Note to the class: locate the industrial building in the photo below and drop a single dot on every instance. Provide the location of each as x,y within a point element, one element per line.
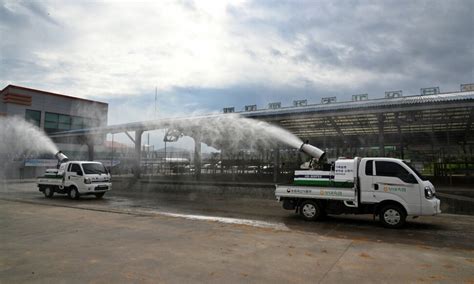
<point>52,113</point>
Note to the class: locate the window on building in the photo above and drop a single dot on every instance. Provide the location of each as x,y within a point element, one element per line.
<point>33,116</point>
<point>64,122</point>
<point>51,122</point>
<point>54,122</point>
<point>87,122</point>
<point>91,122</point>
<point>96,122</point>
<point>77,122</point>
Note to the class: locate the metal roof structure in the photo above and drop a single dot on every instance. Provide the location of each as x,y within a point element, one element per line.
<point>432,119</point>
<point>438,117</point>
<point>381,104</point>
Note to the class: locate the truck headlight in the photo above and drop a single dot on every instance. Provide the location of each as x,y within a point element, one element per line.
<point>428,192</point>
<point>87,181</point>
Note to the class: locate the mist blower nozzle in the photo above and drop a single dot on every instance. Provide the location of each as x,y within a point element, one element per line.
<point>61,157</point>
<point>314,152</point>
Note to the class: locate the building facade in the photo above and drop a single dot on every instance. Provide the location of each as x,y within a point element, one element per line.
<point>51,112</point>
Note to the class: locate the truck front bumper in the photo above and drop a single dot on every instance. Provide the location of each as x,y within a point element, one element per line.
<point>97,187</point>
<point>432,206</point>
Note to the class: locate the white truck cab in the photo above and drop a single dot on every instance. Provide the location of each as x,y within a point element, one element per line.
<point>386,187</point>
<point>389,179</point>
<point>76,178</point>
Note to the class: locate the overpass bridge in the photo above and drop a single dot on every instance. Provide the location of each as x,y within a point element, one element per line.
<point>439,126</point>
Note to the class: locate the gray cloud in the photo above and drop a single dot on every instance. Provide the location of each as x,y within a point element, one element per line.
<point>258,52</point>
<point>36,9</point>
<point>419,40</point>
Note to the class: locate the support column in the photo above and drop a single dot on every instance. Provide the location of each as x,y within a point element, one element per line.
<point>468,158</point>
<point>90,150</point>
<point>197,156</point>
<point>381,119</point>
<point>222,162</point>
<point>88,141</point>
<point>400,135</point>
<point>138,153</point>
<point>276,164</point>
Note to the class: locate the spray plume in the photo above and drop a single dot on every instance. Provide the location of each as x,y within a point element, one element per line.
<point>231,132</point>
<point>19,137</point>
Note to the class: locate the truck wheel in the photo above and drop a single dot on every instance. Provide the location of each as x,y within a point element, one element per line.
<point>392,216</point>
<point>73,193</point>
<point>310,210</point>
<point>48,192</point>
<point>99,195</point>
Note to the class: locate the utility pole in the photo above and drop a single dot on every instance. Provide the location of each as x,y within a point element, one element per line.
<point>156,98</point>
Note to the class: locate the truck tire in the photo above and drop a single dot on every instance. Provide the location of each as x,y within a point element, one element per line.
<point>99,195</point>
<point>73,193</point>
<point>48,192</point>
<point>310,210</point>
<point>392,216</point>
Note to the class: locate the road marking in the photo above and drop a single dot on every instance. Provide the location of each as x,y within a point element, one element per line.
<point>227,220</point>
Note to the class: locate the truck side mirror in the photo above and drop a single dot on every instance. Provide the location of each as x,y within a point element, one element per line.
<point>79,173</point>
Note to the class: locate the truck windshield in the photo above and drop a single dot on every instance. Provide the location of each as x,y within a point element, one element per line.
<point>414,170</point>
<point>94,168</point>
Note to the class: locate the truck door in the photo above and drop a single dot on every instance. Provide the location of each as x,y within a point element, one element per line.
<point>393,181</point>
<point>366,176</point>
<point>74,175</point>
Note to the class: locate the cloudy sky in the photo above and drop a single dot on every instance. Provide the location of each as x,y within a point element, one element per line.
<point>205,55</point>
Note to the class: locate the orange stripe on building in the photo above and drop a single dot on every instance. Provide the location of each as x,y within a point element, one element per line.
<point>18,102</point>
<point>18,97</point>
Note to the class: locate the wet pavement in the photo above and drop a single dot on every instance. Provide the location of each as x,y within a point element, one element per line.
<point>445,230</point>
<point>437,248</point>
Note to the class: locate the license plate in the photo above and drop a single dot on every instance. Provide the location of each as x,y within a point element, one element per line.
<point>101,187</point>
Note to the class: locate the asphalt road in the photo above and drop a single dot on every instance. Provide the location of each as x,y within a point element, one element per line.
<point>173,238</point>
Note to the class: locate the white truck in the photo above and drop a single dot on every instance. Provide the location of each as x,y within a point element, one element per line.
<point>385,187</point>
<point>75,178</point>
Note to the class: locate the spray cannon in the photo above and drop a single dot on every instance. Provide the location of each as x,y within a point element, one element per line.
<point>314,152</point>
<point>61,158</point>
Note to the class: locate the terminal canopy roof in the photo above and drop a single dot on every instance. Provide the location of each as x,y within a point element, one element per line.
<point>438,119</point>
